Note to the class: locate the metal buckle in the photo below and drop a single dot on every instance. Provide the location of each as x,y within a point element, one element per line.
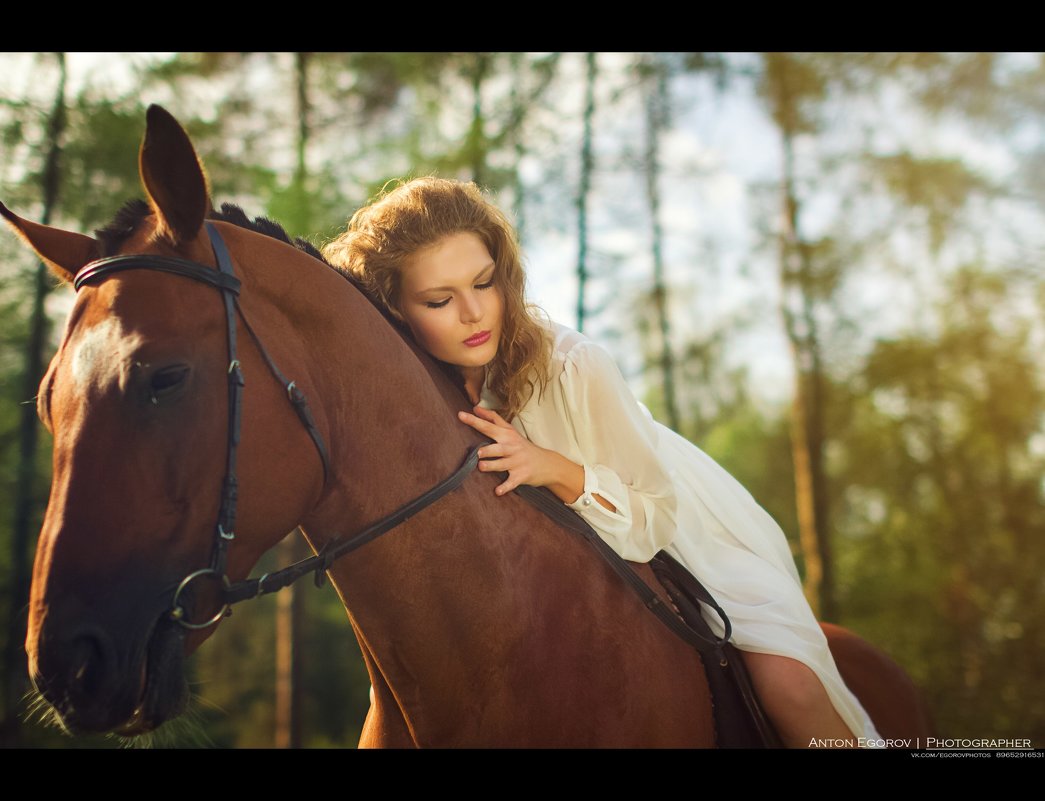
<point>177,613</point>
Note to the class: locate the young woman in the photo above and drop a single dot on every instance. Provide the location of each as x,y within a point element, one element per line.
<point>444,261</point>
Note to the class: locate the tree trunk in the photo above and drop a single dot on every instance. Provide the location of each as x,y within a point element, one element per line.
<point>476,136</point>
<point>290,622</point>
<point>290,604</point>
<point>587,164</point>
<point>518,64</point>
<point>25,495</point>
<point>807,409</point>
<point>656,113</point>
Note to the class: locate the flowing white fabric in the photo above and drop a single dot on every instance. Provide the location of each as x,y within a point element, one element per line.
<point>670,495</point>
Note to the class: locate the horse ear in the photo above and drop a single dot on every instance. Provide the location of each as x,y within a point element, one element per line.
<point>173,177</point>
<point>64,252</point>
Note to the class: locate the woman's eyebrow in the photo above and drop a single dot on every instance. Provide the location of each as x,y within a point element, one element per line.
<point>479,275</point>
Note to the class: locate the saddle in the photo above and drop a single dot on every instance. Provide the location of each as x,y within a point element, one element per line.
<point>740,721</point>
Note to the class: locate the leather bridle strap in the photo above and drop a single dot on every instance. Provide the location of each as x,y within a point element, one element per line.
<point>226,282</point>
<point>102,268</point>
<point>296,396</point>
<point>338,547</point>
<point>230,486</point>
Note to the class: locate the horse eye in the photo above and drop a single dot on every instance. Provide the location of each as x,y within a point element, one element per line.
<point>165,381</point>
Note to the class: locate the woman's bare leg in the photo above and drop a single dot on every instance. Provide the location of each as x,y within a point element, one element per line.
<point>796,701</point>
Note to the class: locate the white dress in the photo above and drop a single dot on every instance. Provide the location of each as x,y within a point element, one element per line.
<point>669,495</point>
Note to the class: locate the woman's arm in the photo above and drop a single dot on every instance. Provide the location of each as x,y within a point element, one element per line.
<point>623,489</point>
<point>623,462</point>
<point>525,462</point>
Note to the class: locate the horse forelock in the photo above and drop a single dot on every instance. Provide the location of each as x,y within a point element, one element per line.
<point>125,223</point>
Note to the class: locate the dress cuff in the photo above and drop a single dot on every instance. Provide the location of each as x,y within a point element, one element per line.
<point>587,502</point>
<point>584,500</point>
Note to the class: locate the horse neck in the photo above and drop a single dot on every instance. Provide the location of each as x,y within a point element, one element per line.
<point>444,581</point>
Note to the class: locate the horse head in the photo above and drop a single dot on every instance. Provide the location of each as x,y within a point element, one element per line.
<point>136,399</point>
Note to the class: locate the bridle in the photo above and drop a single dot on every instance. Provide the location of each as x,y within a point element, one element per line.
<point>224,280</point>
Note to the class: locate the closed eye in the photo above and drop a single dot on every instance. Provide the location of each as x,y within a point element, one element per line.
<point>438,304</point>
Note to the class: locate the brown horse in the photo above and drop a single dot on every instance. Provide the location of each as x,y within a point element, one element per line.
<point>481,621</point>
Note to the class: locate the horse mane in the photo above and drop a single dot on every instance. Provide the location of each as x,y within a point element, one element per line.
<point>133,212</point>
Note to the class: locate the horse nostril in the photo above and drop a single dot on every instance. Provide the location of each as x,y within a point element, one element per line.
<point>90,665</point>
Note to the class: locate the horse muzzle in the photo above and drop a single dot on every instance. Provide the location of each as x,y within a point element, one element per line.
<point>95,684</point>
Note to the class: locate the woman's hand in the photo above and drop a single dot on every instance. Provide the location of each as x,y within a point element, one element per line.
<point>524,462</point>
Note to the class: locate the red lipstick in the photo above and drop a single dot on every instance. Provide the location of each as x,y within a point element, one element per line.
<point>476,340</point>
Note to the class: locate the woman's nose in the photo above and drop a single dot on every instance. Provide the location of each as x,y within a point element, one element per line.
<point>471,309</point>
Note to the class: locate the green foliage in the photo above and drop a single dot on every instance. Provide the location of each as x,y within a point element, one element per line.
<point>99,165</point>
<point>190,65</point>
<point>792,85</point>
<point>944,510</point>
<point>823,269</point>
<point>937,500</point>
<point>756,450</point>
<point>963,82</point>
<point>308,210</point>
<point>935,484</point>
<point>939,187</point>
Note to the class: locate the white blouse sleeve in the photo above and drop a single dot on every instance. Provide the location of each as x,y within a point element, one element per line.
<point>619,442</point>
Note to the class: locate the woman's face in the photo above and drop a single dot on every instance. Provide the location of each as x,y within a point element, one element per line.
<point>450,301</point>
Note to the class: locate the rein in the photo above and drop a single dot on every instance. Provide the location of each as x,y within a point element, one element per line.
<point>224,280</point>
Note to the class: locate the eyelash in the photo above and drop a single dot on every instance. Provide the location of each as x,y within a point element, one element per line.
<point>438,304</point>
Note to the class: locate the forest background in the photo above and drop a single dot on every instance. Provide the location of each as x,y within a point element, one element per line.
<point>825,269</point>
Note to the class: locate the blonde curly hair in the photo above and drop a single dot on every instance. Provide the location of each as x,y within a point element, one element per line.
<point>382,236</point>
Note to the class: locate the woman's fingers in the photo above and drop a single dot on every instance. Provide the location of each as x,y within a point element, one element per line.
<point>495,465</point>
<point>499,432</point>
<point>488,465</point>
<point>503,455</point>
<point>482,426</point>
<point>492,451</point>
<point>492,416</point>
<point>507,486</point>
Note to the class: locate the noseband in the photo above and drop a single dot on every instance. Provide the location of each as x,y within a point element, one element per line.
<point>224,280</point>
